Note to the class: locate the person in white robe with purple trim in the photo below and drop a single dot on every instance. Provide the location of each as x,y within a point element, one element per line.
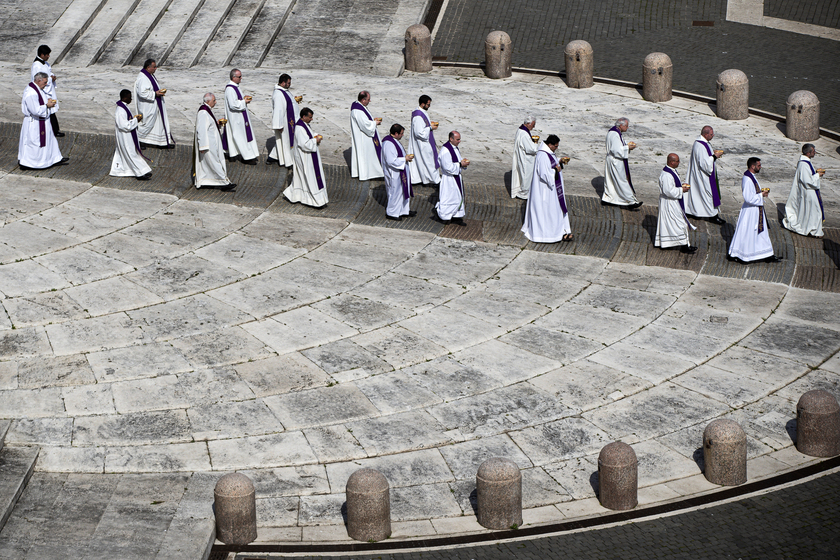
<point>37,148</point>
<point>547,214</point>
<point>804,212</point>
<point>284,115</point>
<point>366,148</point>
<point>703,198</point>
<point>421,143</point>
<point>41,64</point>
<point>451,205</point>
<point>618,187</point>
<point>238,137</point>
<point>154,129</point>
<point>308,182</point>
<point>524,153</point>
<point>128,160</point>
<point>751,241</point>
<point>672,225</point>
<point>397,179</point>
<point>210,166</point>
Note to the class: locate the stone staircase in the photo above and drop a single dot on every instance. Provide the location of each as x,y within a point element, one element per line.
<point>16,467</point>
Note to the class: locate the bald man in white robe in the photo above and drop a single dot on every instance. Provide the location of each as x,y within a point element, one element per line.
<point>452,205</point>
<point>524,154</point>
<point>210,166</point>
<point>37,148</point>
<point>672,225</point>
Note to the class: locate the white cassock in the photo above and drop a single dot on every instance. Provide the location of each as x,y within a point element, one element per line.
<point>748,243</point>
<point>703,197</point>
<point>36,116</point>
<point>421,143</point>
<point>49,89</point>
<point>154,128</point>
<point>127,162</point>
<point>210,167</point>
<point>364,159</point>
<point>236,113</point>
<point>545,219</point>
<point>284,115</point>
<point>452,203</point>
<point>524,152</point>
<point>804,210</point>
<point>618,188</point>
<point>393,164</point>
<point>305,186</point>
<point>672,226</point>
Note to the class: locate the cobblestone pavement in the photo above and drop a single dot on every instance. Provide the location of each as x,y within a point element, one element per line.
<point>623,32</point>
<point>801,521</point>
<point>816,12</point>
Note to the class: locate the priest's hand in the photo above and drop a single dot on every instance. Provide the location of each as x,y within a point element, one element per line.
<point>434,126</point>
<point>160,93</point>
<point>465,162</point>
<point>820,172</point>
<point>631,145</point>
<point>318,139</point>
<point>54,78</point>
<point>409,157</point>
<point>204,151</point>
<point>138,117</point>
<point>50,103</point>
<point>378,120</point>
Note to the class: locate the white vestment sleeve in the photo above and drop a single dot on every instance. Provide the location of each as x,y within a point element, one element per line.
<point>202,132</point>
<point>389,155</point>
<point>124,124</point>
<point>419,129</point>
<point>703,159</point>
<point>232,102</point>
<point>668,188</point>
<point>367,126</point>
<point>615,148</point>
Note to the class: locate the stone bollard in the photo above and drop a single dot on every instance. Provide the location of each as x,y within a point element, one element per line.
<point>418,48</point>
<point>618,476</point>
<point>498,54</point>
<point>725,453</point>
<point>368,506</point>
<point>499,494</point>
<point>236,509</point>
<point>733,95</point>
<point>580,64</point>
<point>803,116</point>
<point>818,424</point>
<point>657,75</point>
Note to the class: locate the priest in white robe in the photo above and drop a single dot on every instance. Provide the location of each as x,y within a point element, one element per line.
<point>284,115</point>
<point>37,148</point>
<point>703,198</point>
<point>804,212</point>
<point>618,187</point>
<point>238,135</point>
<point>154,129</point>
<point>366,149</point>
<point>397,180</point>
<point>308,186</point>
<point>41,64</point>
<point>451,205</point>
<point>210,166</point>
<point>128,160</point>
<point>672,225</point>
<point>524,154</point>
<point>546,213</point>
<point>751,241</point>
<point>421,143</point>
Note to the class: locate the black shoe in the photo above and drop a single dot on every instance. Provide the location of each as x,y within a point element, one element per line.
<point>250,161</point>
<point>636,205</point>
<point>145,177</point>
<point>412,213</point>
<point>228,188</point>
<point>59,135</point>
<point>396,219</point>
<point>773,259</point>
<point>717,220</point>
<point>269,161</point>
<point>688,249</point>
<point>63,161</point>
<point>459,221</point>
<point>730,258</point>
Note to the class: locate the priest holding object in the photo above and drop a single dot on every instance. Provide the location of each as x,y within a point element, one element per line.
<point>703,199</point>
<point>452,205</point>
<point>366,150</point>
<point>308,185</point>
<point>421,143</point>
<point>283,118</point>
<point>751,241</point>
<point>672,225</point>
<point>210,166</point>
<point>618,188</point>
<point>238,136</point>
<point>524,153</point>
<point>397,180</point>
<point>37,148</point>
<point>547,214</point>
<point>804,212</point>
<point>154,129</point>
<point>129,160</point>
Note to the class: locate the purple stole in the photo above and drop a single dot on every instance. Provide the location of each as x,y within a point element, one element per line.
<point>626,162</point>
<point>814,172</point>
<point>133,131</point>
<point>376,144</point>
<point>316,163</point>
<point>525,129</point>
<point>679,187</point>
<point>457,177</point>
<point>205,107</point>
<point>159,101</point>
<point>290,117</point>
<point>419,113</point>
<point>248,136</point>
<point>713,178</point>
<point>42,123</point>
<point>760,208</point>
<point>408,192</point>
<point>558,181</point>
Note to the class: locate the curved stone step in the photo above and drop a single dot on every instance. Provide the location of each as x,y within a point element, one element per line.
<point>87,49</point>
<point>133,33</point>
<point>262,33</point>
<point>16,466</point>
<point>197,36</point>
<point>168,31</point>
<point>70,26</point>
<point>234,28</point>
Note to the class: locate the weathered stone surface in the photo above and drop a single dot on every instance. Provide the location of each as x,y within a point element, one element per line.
<point>733,95</point>
<point>135,362</point>
<point>559,346</point>
<point>368,506</point>
<point>725,453</point>
<point>400,432</point>
<point>347,358</point>
<point>818,424</point>
<point>803,116</point>
<point>281,374</point>
<point>560,440</point>
<point>303,409</point>
<point>418,49</point>
<point>499,494</point>
<point>464,458</point>
<point>586,321</point>
<point>658,74</point>
<point>618,476</point>
<point>236,509</point>
<point>273,450</point>
<point>396,392</point>
<point>580,64</point>
<point>585,385</point>
<point>498,54</point>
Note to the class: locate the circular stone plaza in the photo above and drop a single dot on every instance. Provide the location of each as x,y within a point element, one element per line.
<point>155,337</point>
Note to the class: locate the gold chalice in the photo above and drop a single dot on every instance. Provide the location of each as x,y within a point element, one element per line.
<point>298,98</point>
<point>535,138</point>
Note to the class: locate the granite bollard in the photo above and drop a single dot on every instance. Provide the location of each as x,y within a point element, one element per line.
<point>498,485</point>
<point>368,506</point>
<point>803,116</point>
<point>618,476</point>
<point>236,509</point>
<point>657,76</point>
<point>580,64</point>
<point>725,453</point>
<point>498,55</point>
<point>733,95</point>
<point>418,48</point>
<point>818,424</point>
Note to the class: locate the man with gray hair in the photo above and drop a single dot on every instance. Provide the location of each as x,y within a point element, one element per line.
<point>238,137</point>
<point>703,198</point>
<point>618,188</point>
<point>524,153</point>
<point>38,148</point>
<point>210,168</point>
<point>804,212</point>
<point>154,129</point>
<point>365,147</point>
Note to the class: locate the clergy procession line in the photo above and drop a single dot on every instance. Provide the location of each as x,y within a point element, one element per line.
<point>537,174</point>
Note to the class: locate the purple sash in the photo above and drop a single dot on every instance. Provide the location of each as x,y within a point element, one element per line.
<point>376,144</point>
<point>316,163</point>
<point>290,117</point>
<point>42,123</point>
<point>159,101</point>
<point>760,208</point>
<point>713,178</point>
<point>204,107</point>
<point>408,192</point>
<point>814,172</point>
<point>558,181</point>
<point>419,113</point>
<point>679,188</point>
<point>626,162</point>
<point>525,129</point>
<point>457,177</point>
<point>248,136</point>
<point>133,131</point>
